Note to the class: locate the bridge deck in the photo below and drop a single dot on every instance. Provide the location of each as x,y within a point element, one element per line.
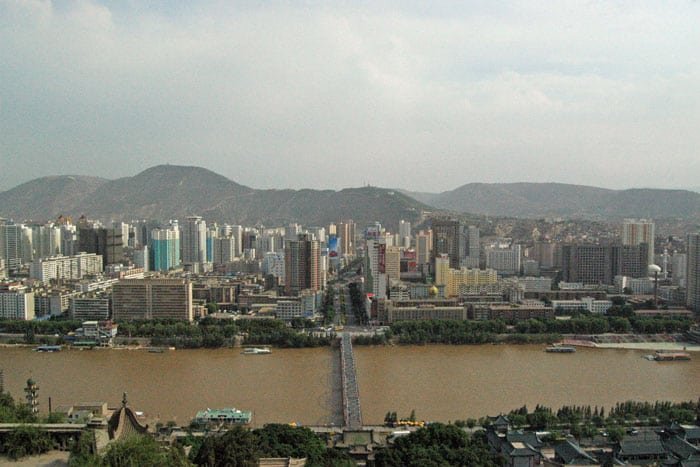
<point>352,413</point>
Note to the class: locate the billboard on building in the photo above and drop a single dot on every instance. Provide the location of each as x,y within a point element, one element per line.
<point>333,246</point>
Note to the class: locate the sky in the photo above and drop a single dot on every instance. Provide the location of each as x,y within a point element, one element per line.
<point>424,96</point>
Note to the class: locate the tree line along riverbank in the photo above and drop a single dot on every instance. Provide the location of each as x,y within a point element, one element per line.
<point>460,443</point>
<point>216,333</point>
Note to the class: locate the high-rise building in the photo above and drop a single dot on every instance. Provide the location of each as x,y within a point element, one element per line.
<point>637,231</point>
<point>224,249</point>
<point>693,271</point>
<point>448,239</point>
<point>599,264</point>
<point>46,240</point>
<point>105,242</point>
<point>679,269</point>
<point>392,263</point>
<point>424,243</point>
<point>504,260</point>
<point>11,245</point>
<point>345,231</point>
<point>375,267</point>
<point>301,265</point>
<point>194,243</point>
<point>404,234</point>
<point>152,299</point>
<point>164,251</point>
<point>473,247</point>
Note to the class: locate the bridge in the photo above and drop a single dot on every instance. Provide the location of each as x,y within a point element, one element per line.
<point>352,413</point>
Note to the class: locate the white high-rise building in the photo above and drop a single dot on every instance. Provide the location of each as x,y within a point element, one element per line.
<point>636,231</point>
<point>693,272</point>
<point>504,260</point>
<point>679,268</point>
<point>273,264</point>
<point>11,245</point>
<point>194,243</point>
<point>404,234</point>
<point>16,302</point>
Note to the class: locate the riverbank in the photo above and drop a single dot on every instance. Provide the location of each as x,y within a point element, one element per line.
<point>633,342</point>
<point>49,459</point>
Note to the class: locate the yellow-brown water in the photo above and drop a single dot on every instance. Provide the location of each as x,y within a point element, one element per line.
<point>441,383</point>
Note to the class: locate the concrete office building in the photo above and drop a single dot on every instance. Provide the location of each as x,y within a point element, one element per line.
<point>89,308</point>
<point>152,299</point>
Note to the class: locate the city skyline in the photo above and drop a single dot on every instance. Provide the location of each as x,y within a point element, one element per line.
<point>285,96</point>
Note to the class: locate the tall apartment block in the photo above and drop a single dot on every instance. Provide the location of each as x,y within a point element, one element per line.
<point>301,265</point>
<point>164,249</point>
<point>638,231</point>
<point>108,243</point>
<point>448,239</point>
<point>16,302</point>
<point>194,243</point>
<point>693,271</point>
<point>11,245</point>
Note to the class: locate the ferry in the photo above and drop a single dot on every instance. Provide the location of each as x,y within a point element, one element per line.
<point>560,349</point>
<point>669,355</point>
<point>256,351</point>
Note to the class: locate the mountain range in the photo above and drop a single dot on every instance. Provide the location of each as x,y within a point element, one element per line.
<point>173,192</point>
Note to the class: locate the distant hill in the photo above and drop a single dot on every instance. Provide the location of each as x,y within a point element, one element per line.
<point>562,200</point>
<point>46,198</point>
<point>173,192</point>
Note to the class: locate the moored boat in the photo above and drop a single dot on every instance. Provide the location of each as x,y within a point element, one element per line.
<point>669,355</point>
<point>48,348</point>
<point>257,351</point>
<point>560,349</point>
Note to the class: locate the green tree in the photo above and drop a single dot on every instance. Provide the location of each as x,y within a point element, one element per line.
<point>82,451</point>
<point>26,440</point>
<point>143,450</point>
<point>236,448</point>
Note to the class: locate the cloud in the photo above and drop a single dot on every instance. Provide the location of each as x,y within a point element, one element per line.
<point>329,95</point>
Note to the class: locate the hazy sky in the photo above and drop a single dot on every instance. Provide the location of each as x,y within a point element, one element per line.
<point>419,95</point>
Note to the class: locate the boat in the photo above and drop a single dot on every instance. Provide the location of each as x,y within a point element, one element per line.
<point>670,355</point>
<point>156,350</point>
<point>48,348</point>
<point>219,418</point>
<point>256,351</point>
<point>560,349</point>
